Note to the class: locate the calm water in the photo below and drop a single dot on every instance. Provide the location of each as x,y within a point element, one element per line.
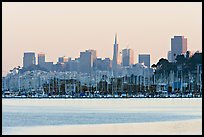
<point>45,112</point>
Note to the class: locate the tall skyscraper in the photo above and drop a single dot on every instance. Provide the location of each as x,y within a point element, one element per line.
<point>29,59</point>
<point>145,58</point>
<point>127,57</point>
<point>41,59</point>
<point>115,55</point>
<point>93,56</point>
<point>86,62</point>
<point>93,53</point>
<point>178,46</point>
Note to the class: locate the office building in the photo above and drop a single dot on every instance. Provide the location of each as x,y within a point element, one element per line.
<point>178,46</point>
<point>145,58</point>
<point>93,54</point>
<point>29,59</point>
<point>86,62</point>
<point>41,59</point>
<point>127,57</point>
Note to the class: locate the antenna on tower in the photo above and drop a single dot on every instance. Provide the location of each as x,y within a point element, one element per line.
<point>116,38</point>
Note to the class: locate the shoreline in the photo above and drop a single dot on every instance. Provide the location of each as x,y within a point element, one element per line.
<point>185,127</point>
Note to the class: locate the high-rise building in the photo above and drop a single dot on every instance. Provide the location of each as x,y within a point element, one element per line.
<point>86,62</point>
<point>41,59</point>
<point>178,46</point>
<point>115,55</point>
<point>127,57</point>
<point>29,59</point>
<point>93,53</point>
<point>145,58</point>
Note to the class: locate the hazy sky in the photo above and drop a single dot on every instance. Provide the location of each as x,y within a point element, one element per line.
<point>65,29</point>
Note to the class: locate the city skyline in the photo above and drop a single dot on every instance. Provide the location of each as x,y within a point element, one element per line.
<point>71,28</point>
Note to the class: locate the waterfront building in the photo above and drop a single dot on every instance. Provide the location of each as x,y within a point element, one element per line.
<point>127,57</point>
<point>29,59</point>
<point>178,46</point>
<point>145,58</point>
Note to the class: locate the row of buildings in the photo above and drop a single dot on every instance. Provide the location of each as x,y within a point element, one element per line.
<point>88,61</point>
<point>137,79</point>
<point>36,80</point>
<point>88,69</point>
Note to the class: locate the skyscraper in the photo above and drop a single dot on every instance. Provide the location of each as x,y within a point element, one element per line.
<point>86,62</point>
<point>93,53</point>
<point>127,57</point>
<point>115,55</point>
<point>41,59</point>
<point>29,59</point>
<point>178,46</point>
<point>145,58</point>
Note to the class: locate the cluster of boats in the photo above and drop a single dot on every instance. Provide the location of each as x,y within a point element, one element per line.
<point>163,94</point>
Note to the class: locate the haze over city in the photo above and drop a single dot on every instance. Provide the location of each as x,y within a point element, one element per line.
<point>65,29</point>
<point>100,68</point>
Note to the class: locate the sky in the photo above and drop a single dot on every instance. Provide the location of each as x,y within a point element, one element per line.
<point>66,29</point>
